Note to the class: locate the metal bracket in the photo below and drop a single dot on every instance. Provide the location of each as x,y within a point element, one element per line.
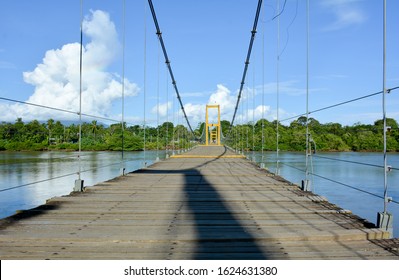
<point>385,222</point>
<point>79,185</point>
<point>306,185</point>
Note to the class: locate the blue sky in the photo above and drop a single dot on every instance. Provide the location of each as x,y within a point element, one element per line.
<point>207,42</point>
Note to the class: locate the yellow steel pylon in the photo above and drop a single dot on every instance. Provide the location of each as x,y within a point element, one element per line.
<point>212,130</point>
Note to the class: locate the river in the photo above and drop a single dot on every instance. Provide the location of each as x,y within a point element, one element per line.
<point>354,174</point>
<point>19,171</point>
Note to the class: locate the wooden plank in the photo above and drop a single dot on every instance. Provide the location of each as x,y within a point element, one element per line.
<point>192,208</point>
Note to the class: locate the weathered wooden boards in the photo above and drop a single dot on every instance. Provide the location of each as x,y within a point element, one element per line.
<point>192,208</point>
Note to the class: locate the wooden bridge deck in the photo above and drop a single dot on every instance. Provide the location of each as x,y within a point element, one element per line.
<point>192,208</point>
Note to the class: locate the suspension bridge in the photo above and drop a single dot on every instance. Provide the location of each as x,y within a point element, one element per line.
<point>209,198</point>
<point>193,207</point>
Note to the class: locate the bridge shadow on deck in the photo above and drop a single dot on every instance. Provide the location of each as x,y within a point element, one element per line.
<point>219,233</point>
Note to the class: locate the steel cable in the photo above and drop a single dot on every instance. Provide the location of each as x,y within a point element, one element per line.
<point>339,183</point>
<point>354,162</point>
<point>65,175</point>
<point>167,61</point>
<point>253,32</point>
<point>40,181</point>
<point>60,110</point>
<point>339,104</point>
<point>352,187</point>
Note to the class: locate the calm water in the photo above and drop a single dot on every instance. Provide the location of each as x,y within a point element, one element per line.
<point>20,168</point>
<point>363,177</point>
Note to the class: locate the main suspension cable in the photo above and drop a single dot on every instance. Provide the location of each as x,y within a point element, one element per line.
<point>253,32</point>
<point>167,61</point>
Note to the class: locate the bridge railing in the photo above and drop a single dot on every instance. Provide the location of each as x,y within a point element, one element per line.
<point>308,165</point>
<point>42,159</point>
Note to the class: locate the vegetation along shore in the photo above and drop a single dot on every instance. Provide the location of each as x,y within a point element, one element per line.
<point>54,135</point>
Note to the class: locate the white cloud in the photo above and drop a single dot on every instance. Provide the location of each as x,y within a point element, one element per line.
<point>227,101</point>
<point>346,13</point>
<point>195,113</point>
<point>222,96</point>
<point>259,112</point>
<point>164,108</point>
<point>56,79</point>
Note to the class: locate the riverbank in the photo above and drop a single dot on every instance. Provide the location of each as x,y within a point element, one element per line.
<point>53,135</point>
<point>75,148</point>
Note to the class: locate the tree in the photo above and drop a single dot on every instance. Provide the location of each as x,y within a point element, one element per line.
<point>35,132</point>
<point>50,124</point>
<point>94,128</point>
<point>302,121</point>
<point>166,133</point>
<point>58,131</point>
<point>19,129</point>
<point>315,126</point>
<point>225,126</point>
<point>334,128</point>
<point>331,136</point>
<point>200,130</point>
<point>393,124</point>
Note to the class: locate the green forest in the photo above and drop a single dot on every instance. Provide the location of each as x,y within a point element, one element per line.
<point>54,135</point>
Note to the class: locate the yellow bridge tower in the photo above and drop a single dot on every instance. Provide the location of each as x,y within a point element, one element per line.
<point>212,130</point>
